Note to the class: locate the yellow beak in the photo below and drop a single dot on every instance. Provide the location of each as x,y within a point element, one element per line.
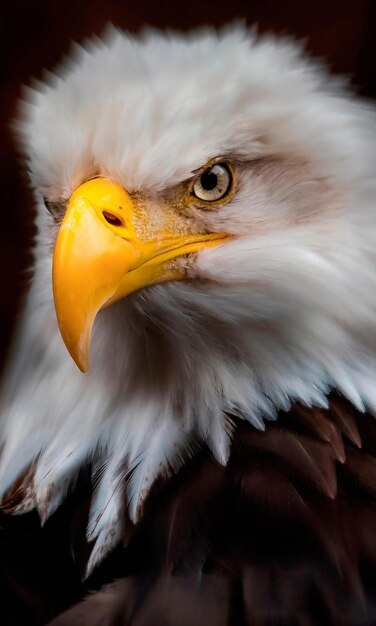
<point>100,256</point>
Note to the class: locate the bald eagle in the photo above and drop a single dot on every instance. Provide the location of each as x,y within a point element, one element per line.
<point>206,229</point>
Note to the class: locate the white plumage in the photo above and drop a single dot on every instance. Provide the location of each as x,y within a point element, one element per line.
<point>285,311</point>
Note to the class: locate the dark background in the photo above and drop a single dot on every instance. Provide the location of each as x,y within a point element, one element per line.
<point>34,34</point>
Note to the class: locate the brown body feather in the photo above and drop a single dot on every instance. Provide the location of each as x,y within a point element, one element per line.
<point>284,535</point>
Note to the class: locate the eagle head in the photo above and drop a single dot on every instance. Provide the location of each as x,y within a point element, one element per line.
<point>206,228</point>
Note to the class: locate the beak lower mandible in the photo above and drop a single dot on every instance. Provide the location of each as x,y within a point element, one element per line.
<point>98,259</point>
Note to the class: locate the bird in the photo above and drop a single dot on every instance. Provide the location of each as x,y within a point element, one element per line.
<point>187,426</point>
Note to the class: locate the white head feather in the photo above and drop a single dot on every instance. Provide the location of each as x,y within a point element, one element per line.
<point>285,311</point>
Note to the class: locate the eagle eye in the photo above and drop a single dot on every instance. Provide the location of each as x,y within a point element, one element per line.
<point>55,208</point>
<point>213,183</point>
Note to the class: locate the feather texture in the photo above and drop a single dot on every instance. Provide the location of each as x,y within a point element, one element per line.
<point>285,533</point>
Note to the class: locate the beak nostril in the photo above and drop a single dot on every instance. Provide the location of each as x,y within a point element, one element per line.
<point>112,219</point>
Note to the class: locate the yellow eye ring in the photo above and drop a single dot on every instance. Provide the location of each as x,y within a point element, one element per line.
<point>214,183</point>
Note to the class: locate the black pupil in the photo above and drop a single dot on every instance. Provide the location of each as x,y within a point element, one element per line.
<point>209,180</point>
